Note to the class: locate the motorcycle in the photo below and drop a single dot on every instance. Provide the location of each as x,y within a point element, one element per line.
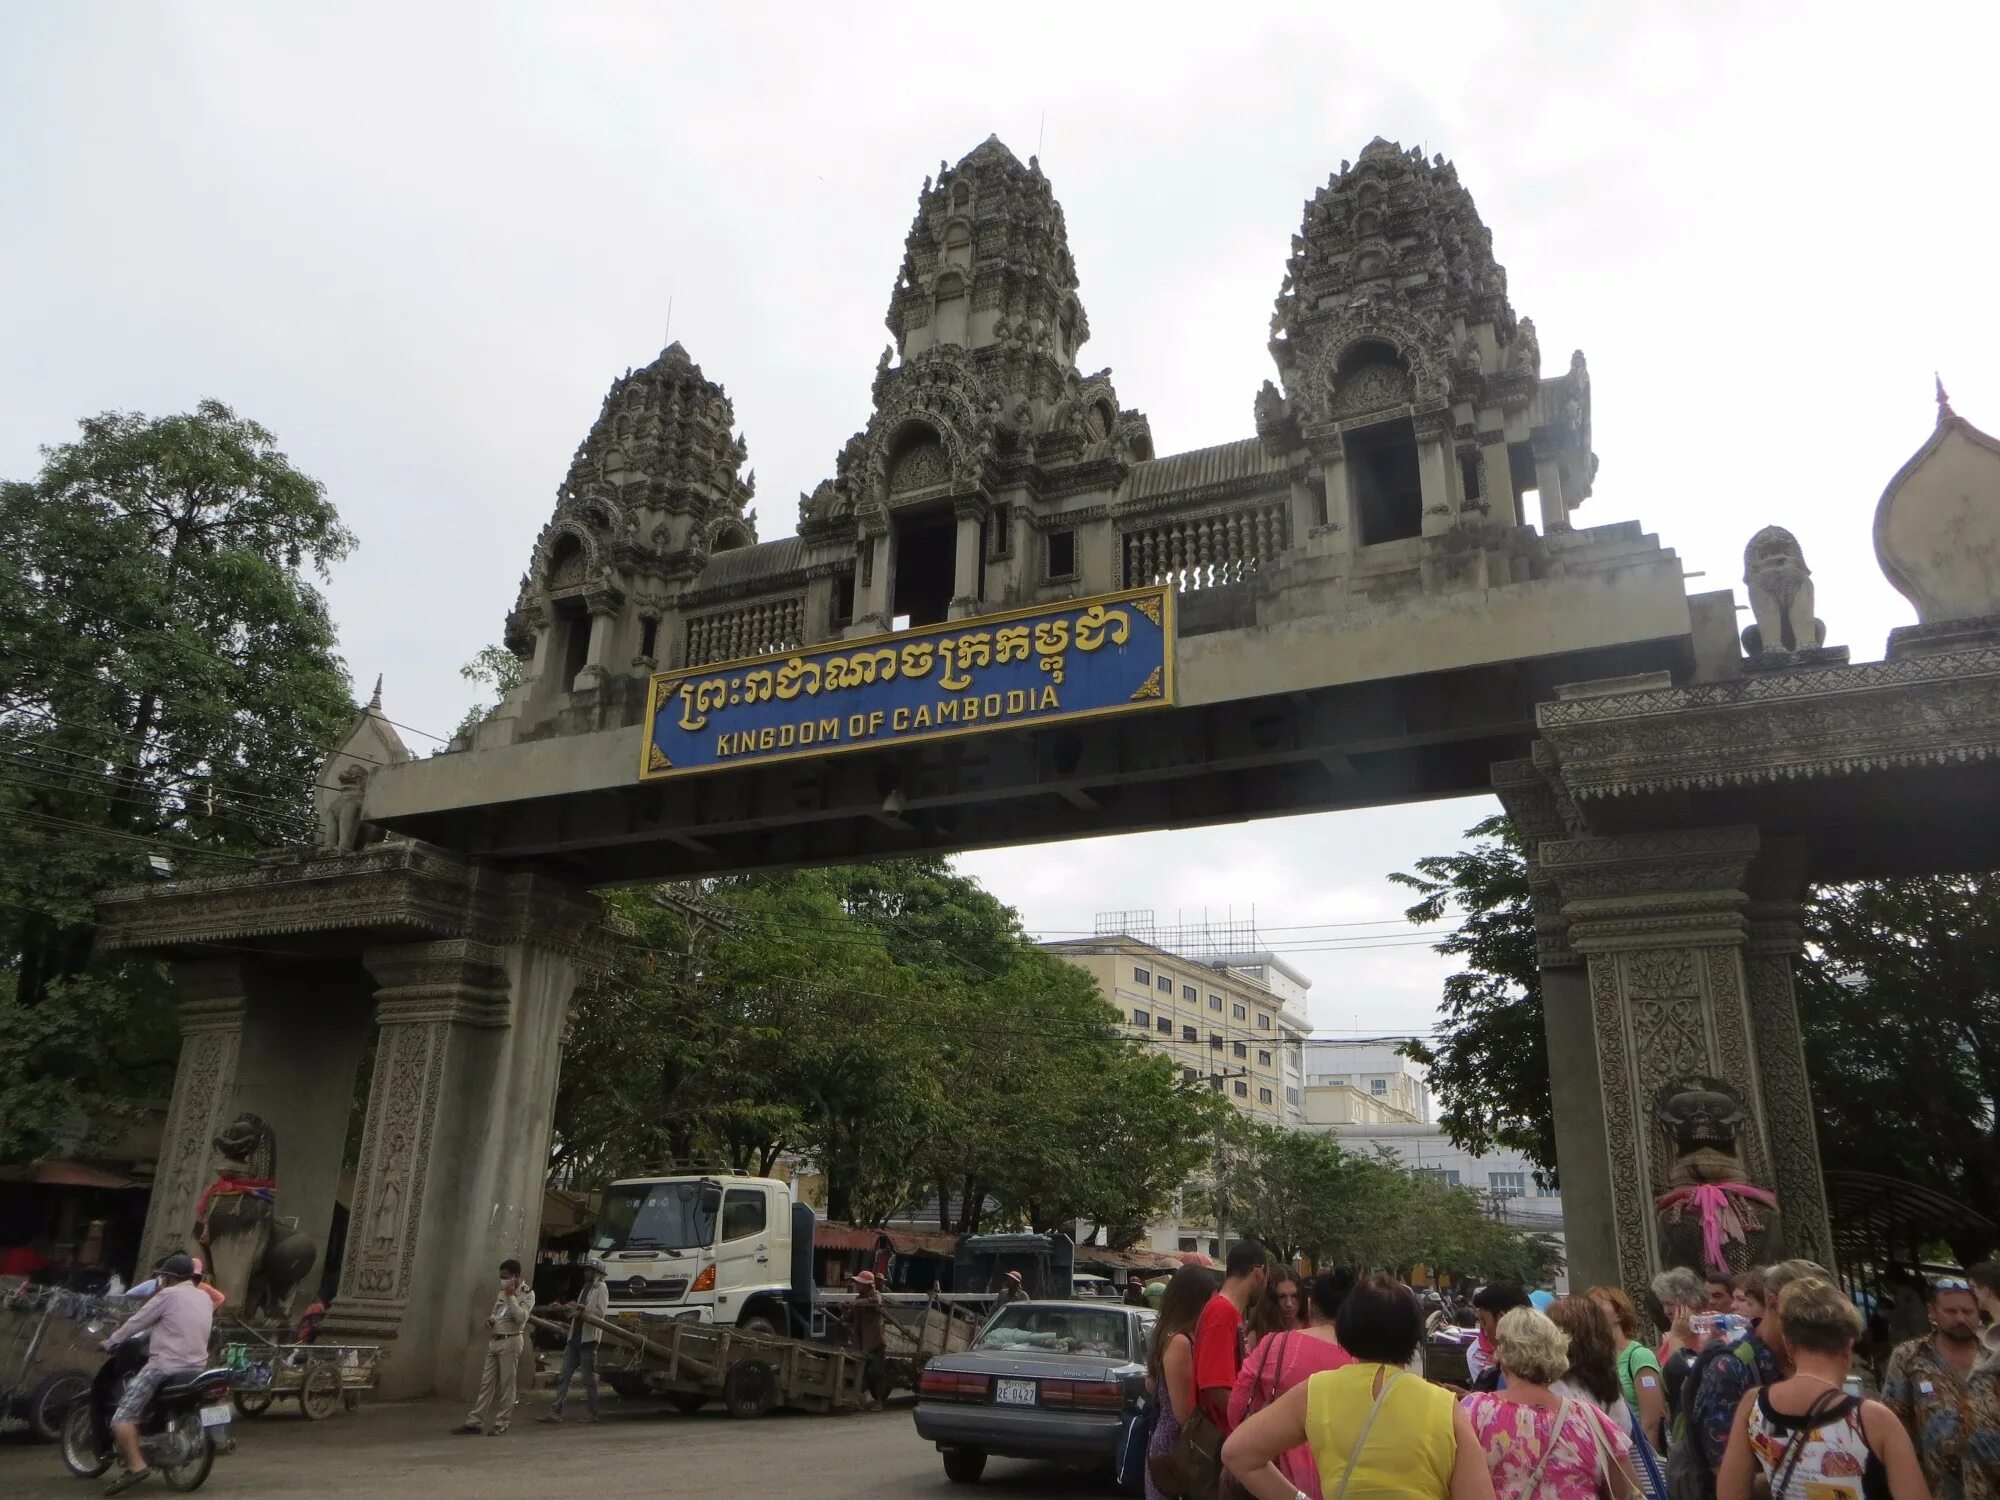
<point>185,1426</point>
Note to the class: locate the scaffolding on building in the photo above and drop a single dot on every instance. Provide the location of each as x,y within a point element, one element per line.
<point>1215,941</point>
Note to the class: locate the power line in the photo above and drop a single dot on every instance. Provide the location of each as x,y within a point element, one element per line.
<point>247,810</point>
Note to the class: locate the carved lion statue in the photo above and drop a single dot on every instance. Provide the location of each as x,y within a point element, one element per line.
<point>340,824</point>
<point>1711,1215</point>
<point>251,1259</point>
<point>1781,595</point>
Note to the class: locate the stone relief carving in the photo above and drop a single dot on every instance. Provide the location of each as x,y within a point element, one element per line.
<point>1712,1215</point>
<point>1373,387</point>
<point>203,1081</point>
<point>1787,1097</point>
<point>1781,595</point>
<point>1664,992</point>
<point>1621,1129</point>
<point>403,1100</point>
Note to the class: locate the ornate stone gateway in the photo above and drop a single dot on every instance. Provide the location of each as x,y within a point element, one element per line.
<point>1376,595</point>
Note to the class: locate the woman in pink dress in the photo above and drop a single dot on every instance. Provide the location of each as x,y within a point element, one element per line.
<point>1540,1445</point>
<point>1283,1360</point>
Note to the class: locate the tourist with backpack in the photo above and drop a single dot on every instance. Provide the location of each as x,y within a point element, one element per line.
<point>1804,1435</point>
<point>1726,1371</point>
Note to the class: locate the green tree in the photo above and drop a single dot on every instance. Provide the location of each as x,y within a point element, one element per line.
<point>1901,991</point>
<point>1489,1063</point>
<point>168,686</point>
<point>495,670</point>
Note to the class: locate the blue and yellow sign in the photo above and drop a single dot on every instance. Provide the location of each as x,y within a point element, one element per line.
<point>1016,670</point>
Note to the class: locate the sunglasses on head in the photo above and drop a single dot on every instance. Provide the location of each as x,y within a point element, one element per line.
<point>1951,1284</point>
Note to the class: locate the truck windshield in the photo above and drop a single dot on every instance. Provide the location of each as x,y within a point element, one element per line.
<point>659,1216</point>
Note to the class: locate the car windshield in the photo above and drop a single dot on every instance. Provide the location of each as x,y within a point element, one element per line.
<point>659,1216</point>
<point>1024,1328</point>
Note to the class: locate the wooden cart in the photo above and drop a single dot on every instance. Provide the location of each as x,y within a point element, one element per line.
<point>322,1378</point>
<point>49,1342</point>
<point>688,1364</point>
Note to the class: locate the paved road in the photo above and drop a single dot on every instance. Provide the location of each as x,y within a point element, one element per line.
<point>637,1451</point>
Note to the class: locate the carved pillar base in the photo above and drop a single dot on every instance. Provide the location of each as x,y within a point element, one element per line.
<point>1659,919</point>
<point>212,997</point>
<point>454,1149</point>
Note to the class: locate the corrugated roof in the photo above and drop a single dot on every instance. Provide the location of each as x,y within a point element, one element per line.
<point>1203,466</point>
<point>745,564</point>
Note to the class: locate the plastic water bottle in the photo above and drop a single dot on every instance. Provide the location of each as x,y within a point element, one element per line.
<point>1852,1385</point>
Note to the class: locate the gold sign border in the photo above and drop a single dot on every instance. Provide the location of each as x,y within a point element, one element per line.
<point>653,764</point>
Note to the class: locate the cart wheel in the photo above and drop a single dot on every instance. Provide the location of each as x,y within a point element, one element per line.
<point>351,1400</point>
<point>253,1403</point>
<point>687,1401</point>
<point>319,1393</point>
<point>750,1389</point>
<point>51,1402</point>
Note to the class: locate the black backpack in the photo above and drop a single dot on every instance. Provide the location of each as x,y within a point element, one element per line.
<point>1688,1474</point>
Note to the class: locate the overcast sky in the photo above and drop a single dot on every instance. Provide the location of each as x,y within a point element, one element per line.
<point>419,240</point>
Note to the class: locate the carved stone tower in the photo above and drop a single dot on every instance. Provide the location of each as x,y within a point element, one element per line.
<point>653,493</point>
<point>982,421</point>
<point>1406,375</point>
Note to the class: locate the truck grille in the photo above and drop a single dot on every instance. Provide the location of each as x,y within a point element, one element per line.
<point>639,1289</point>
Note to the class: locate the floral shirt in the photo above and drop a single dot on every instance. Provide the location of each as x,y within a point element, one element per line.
<point>1514,1435</point>
<point>1954,1422</point>
<point>1743,1367</point>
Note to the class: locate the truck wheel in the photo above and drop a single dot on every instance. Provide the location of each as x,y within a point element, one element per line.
<point>687,1402</point>
<point>964,1465</point>
<point>759,1323</point>
<point>750,1389</point>
<point>51,1403</point>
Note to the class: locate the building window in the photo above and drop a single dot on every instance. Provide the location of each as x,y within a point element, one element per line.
<point>1263,1020</point>
<point>1141,1018</point>
<point>1188,993</point>
<point>1187,1244</point>
<point>649,636</point>
<point>1142,976</point>
<point>1543,1190</point>
<point>1166,982</point>
<point>1263,1096</point>
<point>1239,1049</point>
<point>1215,1082</point>
<point>1242,1089</point>
<point>1061,556</point>
<point>1291,1095</point>
<point>1508,1184</point>
<point>1379,1087</point>
<point>1189,1034</point>
<point>1215,1002</point>
<point>1187,1075</point>
<point>1263,1059</point>
<point>1000,531</point>
<point>1239,1012</point>
<point>1164,1025</point>
<point>1215,1041</point>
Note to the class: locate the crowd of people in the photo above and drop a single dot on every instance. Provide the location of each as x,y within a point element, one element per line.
<point>1282,1388</point>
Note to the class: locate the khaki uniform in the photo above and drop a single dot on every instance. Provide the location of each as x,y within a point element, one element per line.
<point>508,1324</point>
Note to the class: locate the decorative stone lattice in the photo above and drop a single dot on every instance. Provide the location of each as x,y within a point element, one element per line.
<point>1205,552</point>
<point>770,625</point>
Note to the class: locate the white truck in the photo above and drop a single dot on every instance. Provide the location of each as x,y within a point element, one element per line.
<point>715,1247</point>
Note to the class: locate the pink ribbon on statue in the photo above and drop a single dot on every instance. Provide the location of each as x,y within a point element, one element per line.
<point>1721,1221</point>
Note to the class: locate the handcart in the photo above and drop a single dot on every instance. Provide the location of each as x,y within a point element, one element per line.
<point>49,1342</point>
<point>322,1378</point>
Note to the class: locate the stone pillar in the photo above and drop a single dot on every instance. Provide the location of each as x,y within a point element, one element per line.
<point>967,558</point>
<point>1659,920</point>
<point>871,583</point>
<point>212,997</point>
<point>1434,465</point>
<point>1548,482</point>
<point>597,660</point>
<point>1777,938</point>
<point>1497,479</point>
<point>454,1149</point>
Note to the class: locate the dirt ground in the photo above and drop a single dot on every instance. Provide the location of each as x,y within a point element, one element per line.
<point>406,1449</point>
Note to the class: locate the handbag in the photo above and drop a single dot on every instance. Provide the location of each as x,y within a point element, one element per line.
<point>1651,1477</point>
<point>1260,1397</point>
<point>1192,1468</point>
<point>1361,1437</point>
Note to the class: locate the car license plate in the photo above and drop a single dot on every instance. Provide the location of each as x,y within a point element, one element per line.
<point>215,1416</point>
<point>1014,1392</point>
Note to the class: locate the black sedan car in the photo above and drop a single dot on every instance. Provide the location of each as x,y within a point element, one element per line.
<point>1048,1380</point>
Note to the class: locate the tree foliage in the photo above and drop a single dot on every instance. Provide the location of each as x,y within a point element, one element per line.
<point>1489,1064</point>
<point>1301,1194</point>
<point>891,1026</point>
<point>168,684</point>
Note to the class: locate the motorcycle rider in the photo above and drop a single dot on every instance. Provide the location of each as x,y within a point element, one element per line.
<point>178,1319</point>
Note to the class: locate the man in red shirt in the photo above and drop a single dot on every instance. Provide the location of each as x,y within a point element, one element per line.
<point>1218,1332</point>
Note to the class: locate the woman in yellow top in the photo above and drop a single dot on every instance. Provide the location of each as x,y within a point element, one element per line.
<point>1376,1431</point>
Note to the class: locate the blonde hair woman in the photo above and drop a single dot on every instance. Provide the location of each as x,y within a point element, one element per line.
<point>1804,1434</point>
<point>1539,1444</point>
